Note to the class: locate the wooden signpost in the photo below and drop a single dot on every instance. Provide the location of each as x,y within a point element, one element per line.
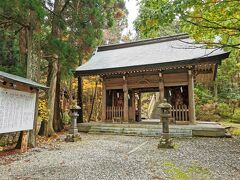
<point>18,105</point>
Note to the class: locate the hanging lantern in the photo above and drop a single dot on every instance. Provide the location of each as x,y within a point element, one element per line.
<point>128,96</point>
<point>181,89</point>
<point>170,93</point>
<point>117,94</point>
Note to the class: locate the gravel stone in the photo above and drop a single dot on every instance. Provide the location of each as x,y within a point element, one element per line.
<point>126,157</point>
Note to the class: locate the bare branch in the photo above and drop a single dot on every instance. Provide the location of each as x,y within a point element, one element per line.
<point>64,6</point>
<point>211,27</point>
<point>9,18</point>
<point>219,26</point>
<point>204,44</point>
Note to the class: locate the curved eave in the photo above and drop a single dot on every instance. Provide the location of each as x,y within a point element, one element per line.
<point>215,59</point>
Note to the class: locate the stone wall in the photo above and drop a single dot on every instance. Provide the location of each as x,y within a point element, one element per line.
<point>9,138</point>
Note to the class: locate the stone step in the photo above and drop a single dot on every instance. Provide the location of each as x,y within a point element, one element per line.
<point>201,129</point>
<point>155,113</point>
<point>138,131</point>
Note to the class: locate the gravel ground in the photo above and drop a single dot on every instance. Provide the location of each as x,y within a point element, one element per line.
<point>127,157</point>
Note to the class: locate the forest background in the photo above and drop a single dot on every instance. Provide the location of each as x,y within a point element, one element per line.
<point>46,40</point>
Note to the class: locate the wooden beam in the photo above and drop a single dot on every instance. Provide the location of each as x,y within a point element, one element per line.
<point>104,102</point>
<point>176,84</point>
<point>125,104</point>
<point>191,100</point>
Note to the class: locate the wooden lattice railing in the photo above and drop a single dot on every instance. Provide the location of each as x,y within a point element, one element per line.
<point>114,113</point>
<point>180,113</point>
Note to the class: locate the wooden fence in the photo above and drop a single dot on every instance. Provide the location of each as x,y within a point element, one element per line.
<point>114,113</point>
<point>180,113</point>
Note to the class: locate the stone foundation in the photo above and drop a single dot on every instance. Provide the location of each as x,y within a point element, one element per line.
<point>9,138</point>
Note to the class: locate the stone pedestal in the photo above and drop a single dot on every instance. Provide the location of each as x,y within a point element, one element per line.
<point>165,141</point>
<point>73,137</point>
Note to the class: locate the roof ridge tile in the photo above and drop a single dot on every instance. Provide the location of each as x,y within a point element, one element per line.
<point>142,42</point>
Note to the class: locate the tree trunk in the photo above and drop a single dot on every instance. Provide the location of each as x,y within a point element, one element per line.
<point>43,129</point>
<point>215,89</point>
<point>32,72</point>
<point>23,38</point>
<point>23,47</point>
<point>51,96</point>
<point>57,120</point>
<point>53,71</point>
<point>94,96</point>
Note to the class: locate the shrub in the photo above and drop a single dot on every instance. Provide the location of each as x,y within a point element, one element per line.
<point>203,95</point>
<point>66,118</point>
<point>42,110</point>
<point>207,112</point>
<point>236,116</point>
<point>224,110</point>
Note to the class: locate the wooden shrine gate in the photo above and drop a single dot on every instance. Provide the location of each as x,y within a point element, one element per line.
<point>165,63</point>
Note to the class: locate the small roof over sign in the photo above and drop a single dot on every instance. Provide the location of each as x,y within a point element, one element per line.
<point>152,53</point>
<point>11,77</point>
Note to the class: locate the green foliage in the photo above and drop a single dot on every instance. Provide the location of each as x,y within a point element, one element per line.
<point>203,95</point>
<point>149,25</point>
<point>18,10</point>
<point>236,116</point>
<point>200,19</point>
<point>14,18</point>
<point>16,69</point>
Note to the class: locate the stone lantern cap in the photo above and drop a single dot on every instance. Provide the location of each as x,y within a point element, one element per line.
<point>75,108</point>
<point>165,104</point>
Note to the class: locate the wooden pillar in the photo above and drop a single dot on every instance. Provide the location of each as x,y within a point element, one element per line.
<point>125,104</point>
<point>33,133</point>
<point>191,100</point>
<point>139,107</point>
<point>104,104</point>
<point>79,100</point>
<point>161,87</point>
<point>133,106</point>
<point>24,142</point>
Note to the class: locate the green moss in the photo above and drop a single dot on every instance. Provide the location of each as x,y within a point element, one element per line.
<point>235,131</point>
<point>2,145</point>
<point>234,127</point>
<point>186,172</point>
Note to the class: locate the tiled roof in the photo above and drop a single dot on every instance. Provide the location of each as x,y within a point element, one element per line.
<point>19,79</point>
<point>171,50</point>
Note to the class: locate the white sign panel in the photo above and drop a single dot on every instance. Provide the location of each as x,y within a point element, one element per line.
<point>17,110</point>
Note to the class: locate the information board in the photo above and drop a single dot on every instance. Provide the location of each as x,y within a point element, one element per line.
<point>17,110</point>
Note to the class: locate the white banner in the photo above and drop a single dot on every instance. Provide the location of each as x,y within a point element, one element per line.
<point>17,110</point>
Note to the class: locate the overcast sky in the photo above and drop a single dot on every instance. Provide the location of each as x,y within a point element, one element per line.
<point>132,8</point>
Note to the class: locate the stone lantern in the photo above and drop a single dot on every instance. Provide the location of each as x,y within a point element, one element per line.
<point>73,131</point>
<point>165,114</point>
